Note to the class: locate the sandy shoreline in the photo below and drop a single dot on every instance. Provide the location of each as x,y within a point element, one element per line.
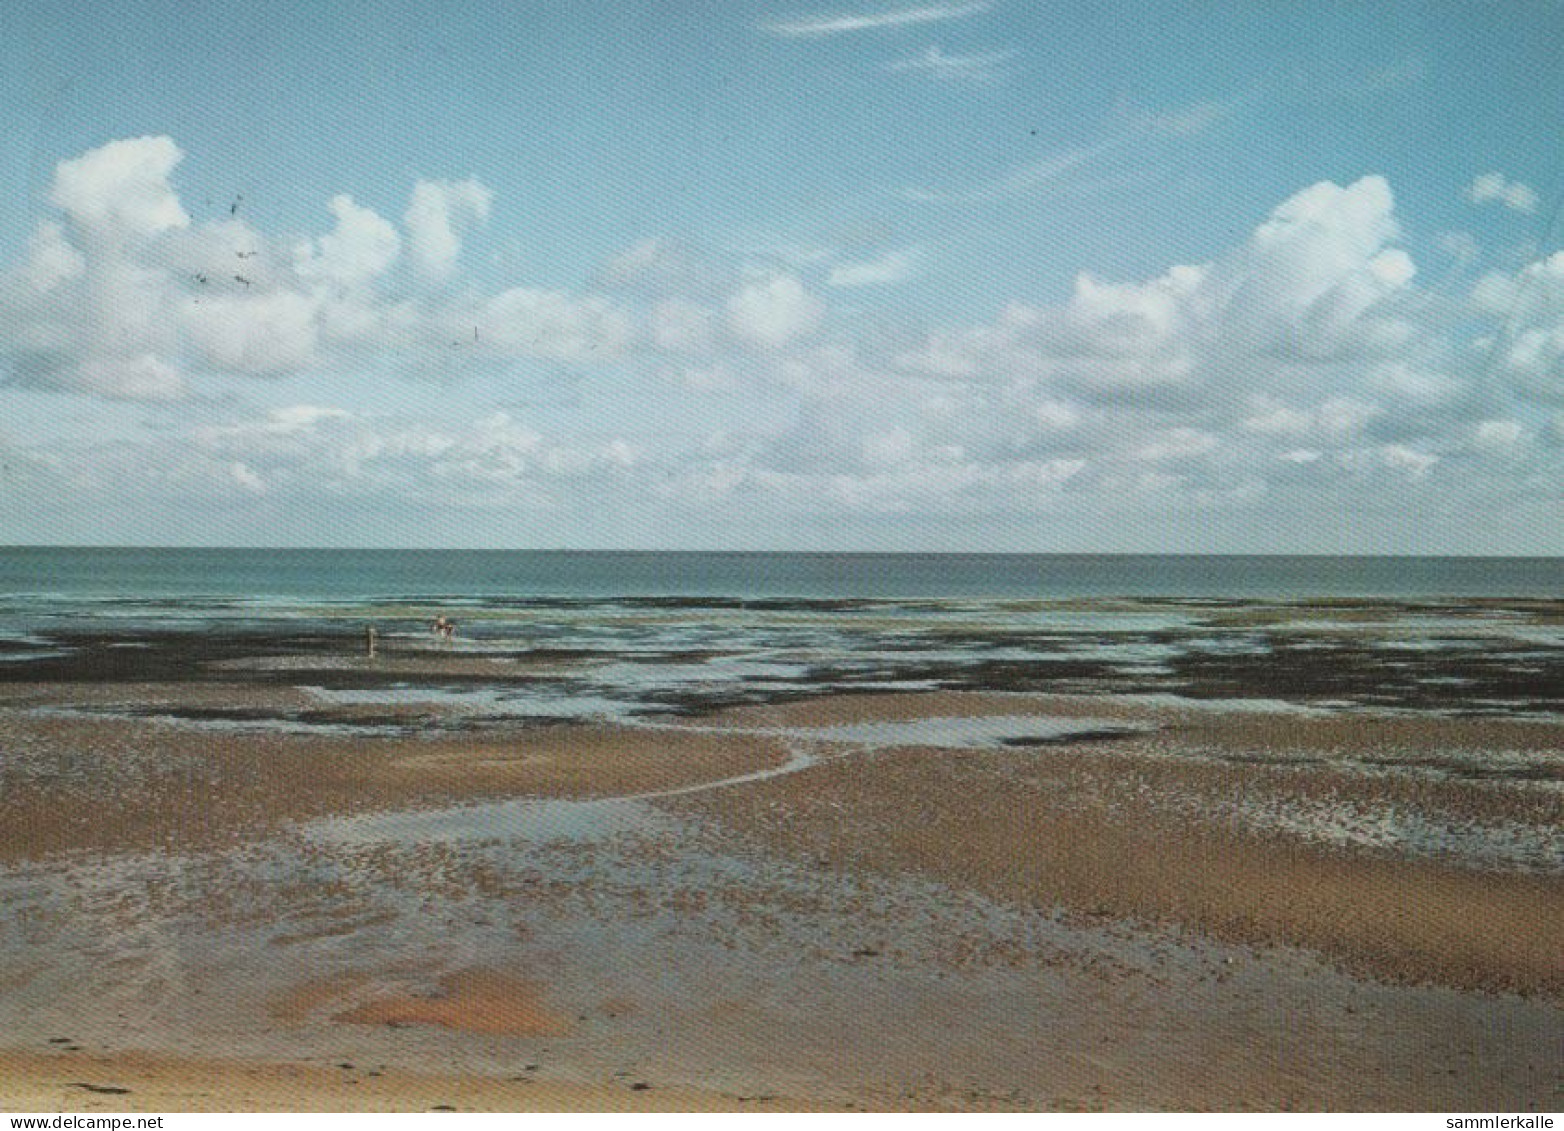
<point>1175,906</point>
<point>141,1082</point>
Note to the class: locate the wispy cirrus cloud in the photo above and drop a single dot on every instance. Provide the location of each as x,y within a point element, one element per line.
<point>1044,172</point>
<point>1033,175</point>
<point>935,64</point>
<point>1186,121</point>
<point>893,267</point>
<point>822,25</point>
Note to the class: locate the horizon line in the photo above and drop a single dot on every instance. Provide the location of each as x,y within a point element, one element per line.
<point>835,552</point>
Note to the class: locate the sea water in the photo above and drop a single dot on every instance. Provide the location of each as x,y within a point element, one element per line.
<point>151,575</point>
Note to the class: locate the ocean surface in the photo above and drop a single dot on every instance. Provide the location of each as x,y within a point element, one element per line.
<point>317,575</point>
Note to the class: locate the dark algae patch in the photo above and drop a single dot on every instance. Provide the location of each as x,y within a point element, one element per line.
<point>1106,734</point>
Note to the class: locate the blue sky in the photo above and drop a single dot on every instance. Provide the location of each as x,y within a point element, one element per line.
<point>917,275</point>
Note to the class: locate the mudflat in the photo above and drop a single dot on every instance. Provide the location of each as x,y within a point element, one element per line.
<point>224,888</point>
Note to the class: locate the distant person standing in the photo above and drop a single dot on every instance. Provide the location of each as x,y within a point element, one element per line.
<point>445,629</point>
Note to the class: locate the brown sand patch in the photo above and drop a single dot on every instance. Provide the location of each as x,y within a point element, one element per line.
<point>472,1001</point>
<point>620,1005</point>
<point>581,761</point>
<point>306,999</point>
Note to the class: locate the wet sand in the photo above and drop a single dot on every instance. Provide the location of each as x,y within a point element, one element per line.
<point>1142,827</point>
<point>1160,906</point>
<point>123,784</point>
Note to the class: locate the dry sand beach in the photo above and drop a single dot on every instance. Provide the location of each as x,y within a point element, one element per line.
<point>228,883</point>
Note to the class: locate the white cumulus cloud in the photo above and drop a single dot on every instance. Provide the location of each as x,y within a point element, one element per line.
<point>682,327</point>
<point>122,188</point>
<point>260,334</point>
<point>362,246</point>
<point>439,210</point>
<point>52,259</point>
<point>1309,357</point>
<point>1317,266</point>
<point>772,312</point>
<point>529,322</point>
<point>1528,351</point>
<point>144,377</point>
<point>1496,188</point>
<point>302,417</point>
<point>246,478</point>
